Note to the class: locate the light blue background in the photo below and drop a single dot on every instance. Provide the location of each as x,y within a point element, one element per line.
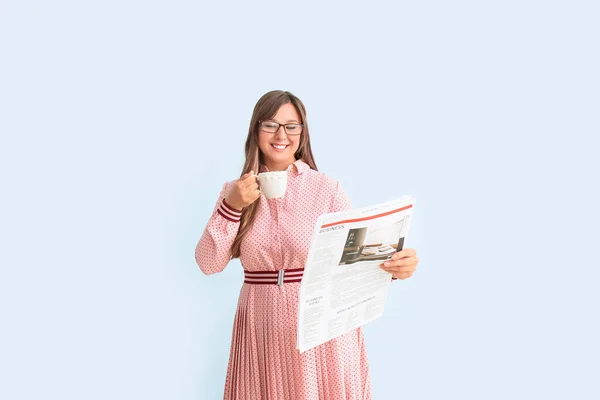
<point>120,120</point>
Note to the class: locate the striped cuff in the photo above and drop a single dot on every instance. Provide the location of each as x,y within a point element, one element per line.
<point>228,212</point>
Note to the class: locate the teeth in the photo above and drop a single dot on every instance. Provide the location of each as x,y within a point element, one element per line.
<point>280,147</point>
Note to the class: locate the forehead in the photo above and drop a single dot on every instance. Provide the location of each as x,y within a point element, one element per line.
<point>286,113</point>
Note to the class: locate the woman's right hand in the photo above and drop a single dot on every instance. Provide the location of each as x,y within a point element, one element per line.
<point>244,192</point>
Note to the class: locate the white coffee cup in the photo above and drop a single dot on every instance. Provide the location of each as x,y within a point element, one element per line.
<point>272,184</point>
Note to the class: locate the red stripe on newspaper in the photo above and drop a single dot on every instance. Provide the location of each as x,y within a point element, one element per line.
<point>347,221</point>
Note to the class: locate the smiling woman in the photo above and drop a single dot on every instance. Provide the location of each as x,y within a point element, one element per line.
<point>271,236</point>
<point>279,141</point>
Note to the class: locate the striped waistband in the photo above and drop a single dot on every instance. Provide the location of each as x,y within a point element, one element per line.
<point>273,277</point>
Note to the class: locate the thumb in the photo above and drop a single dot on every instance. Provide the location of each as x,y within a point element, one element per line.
<point>246,175</point>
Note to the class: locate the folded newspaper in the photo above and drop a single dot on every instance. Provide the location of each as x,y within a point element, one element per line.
<point>343,286</point>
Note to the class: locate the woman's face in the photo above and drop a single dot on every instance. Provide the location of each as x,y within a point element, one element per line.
<point>278,148</point>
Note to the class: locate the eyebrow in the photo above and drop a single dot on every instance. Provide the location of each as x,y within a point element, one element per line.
<point>288,121</point>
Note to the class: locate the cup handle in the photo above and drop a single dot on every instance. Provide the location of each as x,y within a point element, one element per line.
<point>257,181</point>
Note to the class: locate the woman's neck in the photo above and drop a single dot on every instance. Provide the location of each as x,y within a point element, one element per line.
<point>278,167</point>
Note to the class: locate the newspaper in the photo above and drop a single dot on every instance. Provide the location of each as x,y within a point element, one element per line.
<point>343,286</point>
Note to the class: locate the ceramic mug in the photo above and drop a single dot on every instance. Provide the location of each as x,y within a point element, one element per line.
<point>272,184</point>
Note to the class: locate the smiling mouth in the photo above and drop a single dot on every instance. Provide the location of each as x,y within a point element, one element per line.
<point>279,146</point>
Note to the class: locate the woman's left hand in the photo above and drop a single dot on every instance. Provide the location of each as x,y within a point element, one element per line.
<point>403,264</point>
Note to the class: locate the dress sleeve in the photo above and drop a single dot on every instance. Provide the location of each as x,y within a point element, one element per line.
<point>213,251</point>
<point>340,201</point>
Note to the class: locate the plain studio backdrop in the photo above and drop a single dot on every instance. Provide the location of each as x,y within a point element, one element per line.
<point>120,121</point>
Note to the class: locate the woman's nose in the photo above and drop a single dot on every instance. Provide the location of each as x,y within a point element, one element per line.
<point>281,134</point>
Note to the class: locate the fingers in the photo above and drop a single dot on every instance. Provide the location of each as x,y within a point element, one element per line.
<point>249,195</point>
<point>399,270</point>
<point>404,254</point>
<point>245,191</point>
<point>402,264</point>
<point>249,186</point>
<point>248,180</point>
<point>252,187</point>
<point>255,195</point>
<point>405,262</point>
<point>246,175</point>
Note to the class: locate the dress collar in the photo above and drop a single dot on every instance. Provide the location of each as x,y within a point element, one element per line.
<point>299,166</point>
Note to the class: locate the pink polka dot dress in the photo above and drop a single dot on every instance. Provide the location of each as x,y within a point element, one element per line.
<point>263,361</point>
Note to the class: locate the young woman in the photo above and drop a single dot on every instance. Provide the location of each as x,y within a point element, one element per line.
<point>269,235</point>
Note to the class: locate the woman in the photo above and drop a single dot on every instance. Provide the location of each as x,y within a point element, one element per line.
<point>273,234</point>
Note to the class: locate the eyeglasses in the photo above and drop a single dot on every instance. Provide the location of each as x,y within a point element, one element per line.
<point>273,127</point>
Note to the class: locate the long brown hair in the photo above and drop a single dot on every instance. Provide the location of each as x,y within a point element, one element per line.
<point>266,108</point>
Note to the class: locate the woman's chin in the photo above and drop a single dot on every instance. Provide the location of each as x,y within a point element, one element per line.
<point>279,158</point>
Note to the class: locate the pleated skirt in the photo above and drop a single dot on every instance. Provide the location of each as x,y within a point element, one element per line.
<point>264,363</point>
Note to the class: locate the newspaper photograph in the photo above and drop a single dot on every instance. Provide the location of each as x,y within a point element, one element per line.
<point>343,286</point>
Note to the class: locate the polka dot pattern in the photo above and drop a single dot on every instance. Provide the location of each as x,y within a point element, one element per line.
<point>264,362</point>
